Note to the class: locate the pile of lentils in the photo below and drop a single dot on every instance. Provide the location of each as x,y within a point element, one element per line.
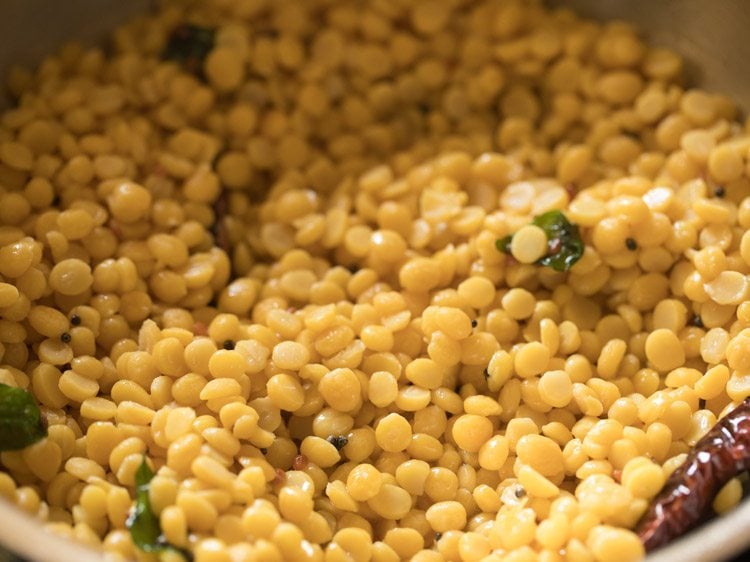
<point>266,263</point>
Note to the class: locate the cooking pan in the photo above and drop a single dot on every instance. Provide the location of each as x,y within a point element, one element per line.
<point>711,35</point>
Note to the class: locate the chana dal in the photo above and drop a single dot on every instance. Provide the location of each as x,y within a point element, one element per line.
<point>275,277</point>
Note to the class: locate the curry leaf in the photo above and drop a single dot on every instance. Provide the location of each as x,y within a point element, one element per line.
<point>503,244</point>
<point>558,227</point>
<point>143,523</point>
<point>189,45</point>
<point>20,420</point>
<point>564,241</point>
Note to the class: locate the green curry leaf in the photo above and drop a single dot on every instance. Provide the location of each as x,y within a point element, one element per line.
<point>20,420</point>
<point>189,45</point>
<point>564,241</point>
<point>503,244</point>
<point>558,227</point>
<point>143,523</point>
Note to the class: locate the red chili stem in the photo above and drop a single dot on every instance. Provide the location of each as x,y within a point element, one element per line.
<point>685,500</point>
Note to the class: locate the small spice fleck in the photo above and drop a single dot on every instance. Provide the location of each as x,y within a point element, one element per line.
<point>300,462</point>
<point>228,344</point>
<point>280,476</point>
<point>520,492</point>
<point>474,323</point>
<point>65,337</point>
<point>720,191</point>
<point>438,536</point>
<point>338,441</point>
<point>44,418</point>
<point>631,244</point>
<point>75,320</point>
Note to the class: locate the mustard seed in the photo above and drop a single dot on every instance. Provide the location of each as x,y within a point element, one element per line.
<point>338,441</point>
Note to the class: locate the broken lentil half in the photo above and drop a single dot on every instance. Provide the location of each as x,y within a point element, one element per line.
<point>324,188</point>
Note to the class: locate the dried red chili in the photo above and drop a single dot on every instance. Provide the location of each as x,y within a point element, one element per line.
<point>723,453</point>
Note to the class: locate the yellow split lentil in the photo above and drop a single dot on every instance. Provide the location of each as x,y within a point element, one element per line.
<point>278,279</point>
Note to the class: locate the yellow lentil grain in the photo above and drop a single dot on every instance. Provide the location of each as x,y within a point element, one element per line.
<point>724,163</point>
<point>341,389</point>
<point>319,451</point>
<point>265,285</point>
<point>712,383</point>
<point>536,484</point>
<point>556,388</point>
<point>128,202</point>
<point>664,350</point>
<point>364,482</point>
<point>393,433</point>
<point>471,431</point>
<point>446,516</point>
<point>529,244</point>
<point>518,303</point>
<point>391,502</point>
<point>516,527</point>
<point>728,497</point>
<point>541,453</point>
<point>532,359</point>
<point>643,481</point>
<point>609,543</point>
<point>729,287</point>
<point>77,387</point>
<point>70,277</point>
